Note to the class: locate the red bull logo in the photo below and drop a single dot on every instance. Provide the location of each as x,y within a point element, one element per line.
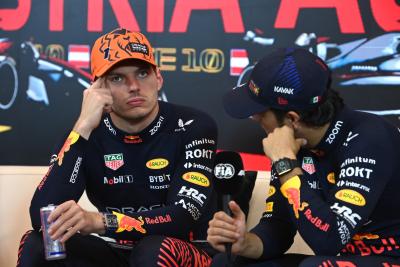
<point>254,88</point>
<point>133,139</point>
<point>291,190</point>
<point>71,139</point>
<point>126,223</point>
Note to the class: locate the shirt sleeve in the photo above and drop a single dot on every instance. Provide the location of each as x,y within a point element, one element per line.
<point>328,223</point>
<point>190,193</point>
<point>275,229</point>
<point>64,180</point>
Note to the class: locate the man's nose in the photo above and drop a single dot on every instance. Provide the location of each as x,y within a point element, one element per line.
<point>133,85</point>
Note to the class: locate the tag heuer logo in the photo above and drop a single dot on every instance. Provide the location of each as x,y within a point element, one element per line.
<point>308,165</point>
<point>114,161</point>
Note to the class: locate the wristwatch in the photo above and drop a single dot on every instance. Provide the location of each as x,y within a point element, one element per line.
<point>285,165</point>
<point>110,221</point>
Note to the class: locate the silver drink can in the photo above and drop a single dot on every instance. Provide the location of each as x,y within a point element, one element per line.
<point>53,249</point>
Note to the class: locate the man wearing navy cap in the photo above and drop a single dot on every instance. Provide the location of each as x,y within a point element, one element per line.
<point>334,178</point>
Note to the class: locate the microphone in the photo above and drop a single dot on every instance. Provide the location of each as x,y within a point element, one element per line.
<point>229,174</point>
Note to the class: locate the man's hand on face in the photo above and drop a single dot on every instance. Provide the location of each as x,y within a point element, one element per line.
<point>281,143</point>
<point>97,99</point>
<point>69,218</point>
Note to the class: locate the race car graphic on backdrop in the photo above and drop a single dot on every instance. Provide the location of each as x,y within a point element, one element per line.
<point>361,62</point>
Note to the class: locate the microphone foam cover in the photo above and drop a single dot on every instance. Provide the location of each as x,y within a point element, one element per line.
<point>228,172</point>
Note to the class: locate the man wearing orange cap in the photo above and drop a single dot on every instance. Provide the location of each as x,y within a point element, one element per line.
<point>146,166</point>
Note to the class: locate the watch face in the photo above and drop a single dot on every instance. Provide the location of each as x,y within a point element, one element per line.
<point>111,221</point>
<point>282,166</point>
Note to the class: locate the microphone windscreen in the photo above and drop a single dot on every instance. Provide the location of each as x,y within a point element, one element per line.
<point>228,172</point>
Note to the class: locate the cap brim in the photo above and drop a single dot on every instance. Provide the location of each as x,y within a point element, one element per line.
<point>239,104</point>
<point>105,68</point>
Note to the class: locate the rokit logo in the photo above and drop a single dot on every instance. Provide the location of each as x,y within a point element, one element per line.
<point>334,132</point>
<point>199,153</point>
<point>157,126</point>
<point>109,127</point>
<point>120,179</point>
<point>192,194</point>
<point>355,172</point>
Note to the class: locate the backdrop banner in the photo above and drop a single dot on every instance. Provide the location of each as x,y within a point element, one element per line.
<point>203,48</point>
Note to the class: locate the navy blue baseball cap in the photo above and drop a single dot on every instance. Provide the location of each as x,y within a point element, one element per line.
<point>286,79</point>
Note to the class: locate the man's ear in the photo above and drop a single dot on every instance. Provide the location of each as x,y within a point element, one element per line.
<point>160,79</point>
<point>294,119</point>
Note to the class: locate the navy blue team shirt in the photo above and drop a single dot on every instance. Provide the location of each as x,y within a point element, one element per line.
<point>347,201</point>
<point>157,181</point>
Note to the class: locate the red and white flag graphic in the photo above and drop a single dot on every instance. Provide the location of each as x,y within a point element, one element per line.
<point>239,60</point>
<point>79,56</point>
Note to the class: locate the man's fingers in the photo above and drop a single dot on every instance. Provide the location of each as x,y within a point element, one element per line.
<point>301,142</point>
<point>99,83</point>
<point>223,233</point>
<point>71,231</point>
<point>220,240</point>
<point>60,210</point>
<point>108,109</point>
<point>236,210</point>
<point>58,230</point>
<point>222,224</point>
<point>222,216</point>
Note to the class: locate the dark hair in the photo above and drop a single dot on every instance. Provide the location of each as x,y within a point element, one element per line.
<point>320,115</point>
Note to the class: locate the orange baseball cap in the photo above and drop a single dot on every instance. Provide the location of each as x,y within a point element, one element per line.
<point>117,45</point>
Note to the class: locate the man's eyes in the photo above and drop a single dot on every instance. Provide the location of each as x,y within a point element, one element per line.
<point>115,78</point>
<point>143,73</point>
